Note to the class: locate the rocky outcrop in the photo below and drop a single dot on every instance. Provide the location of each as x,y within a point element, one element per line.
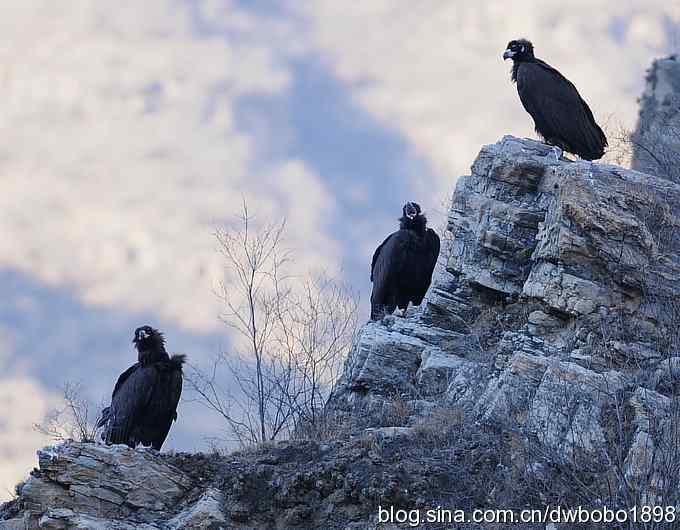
<point>80,485</point>
<point>284,486</point>
<point>656,140</point>
<point>555,315</point>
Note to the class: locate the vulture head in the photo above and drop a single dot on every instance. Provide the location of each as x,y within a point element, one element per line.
<point>412,217</point>
<point>150,344</point>
<point>411,210</point>
<point>519,50</point>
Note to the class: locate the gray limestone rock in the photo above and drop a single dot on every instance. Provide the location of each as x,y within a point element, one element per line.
<point>551,314</point>
<point>83,485</point>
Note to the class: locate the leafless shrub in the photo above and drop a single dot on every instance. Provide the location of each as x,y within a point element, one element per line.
<point>477,458</point>
<point>75,419</point>
<point>658,153</point>
<point>316,329</point>
<point>620,150</point>
<point>291,336</point>
<point>654,147</point>
<point>395,411</point>
<point>436,427</point>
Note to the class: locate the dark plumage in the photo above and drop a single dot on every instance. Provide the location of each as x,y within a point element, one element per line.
<point>402,265</point>
<point>144,400</point>
<point>560,115</point>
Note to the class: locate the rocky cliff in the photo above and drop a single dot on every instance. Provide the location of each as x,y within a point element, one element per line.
<point>554,317</point>
<point>542,368</point>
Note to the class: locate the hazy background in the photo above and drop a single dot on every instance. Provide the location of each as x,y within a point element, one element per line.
<point>131,130</point>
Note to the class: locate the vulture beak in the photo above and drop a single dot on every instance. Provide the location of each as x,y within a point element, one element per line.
<point>508,54</point>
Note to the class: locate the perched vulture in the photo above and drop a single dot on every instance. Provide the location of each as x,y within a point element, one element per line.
<point>144,400</point>
<point>402,265</point>
<point>560,115</point>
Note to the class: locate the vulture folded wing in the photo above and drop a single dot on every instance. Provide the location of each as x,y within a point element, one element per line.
<point>558,110</point>
<point>167,405</point>
<point>123,377</point>
<point>175,393</point>
<point>426,268</point>
<point>434,247</point>
<point>377,253</point>
<point>390,263</point>
<point>106,412</point>
<point>130,399</point>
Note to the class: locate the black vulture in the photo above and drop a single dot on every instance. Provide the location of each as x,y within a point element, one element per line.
<point>560,115</point>
<point>144,400</point>
<point>402,265</point>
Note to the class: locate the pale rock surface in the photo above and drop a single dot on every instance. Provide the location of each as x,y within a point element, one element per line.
<point>552,310</point>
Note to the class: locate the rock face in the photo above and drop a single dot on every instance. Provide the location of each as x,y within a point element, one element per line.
<point>656,141</point>
<point>542,368</point>
<point>554,317</point>
<point>290,485</point>
<point>92,486</point>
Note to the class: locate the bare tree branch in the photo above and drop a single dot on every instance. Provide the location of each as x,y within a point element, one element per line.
<point>75,419</point>
<point>291,337</point>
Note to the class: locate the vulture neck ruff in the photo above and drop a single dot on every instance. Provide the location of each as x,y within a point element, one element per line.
<point>517,63</point>
<point>152,350</point>
<point>417,224</point>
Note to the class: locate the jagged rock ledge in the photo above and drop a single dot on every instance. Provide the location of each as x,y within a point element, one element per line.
<point>80,485</point>
<point>288,485</point>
